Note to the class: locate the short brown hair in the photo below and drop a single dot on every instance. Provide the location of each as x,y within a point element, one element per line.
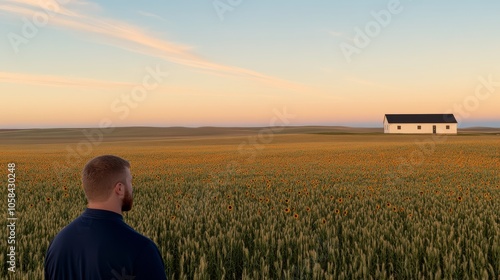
<point>100,175</point>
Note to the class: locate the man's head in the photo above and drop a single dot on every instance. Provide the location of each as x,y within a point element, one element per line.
<point>107,182</point>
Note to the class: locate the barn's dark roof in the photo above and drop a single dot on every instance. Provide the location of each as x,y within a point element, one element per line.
<point>420,118</point>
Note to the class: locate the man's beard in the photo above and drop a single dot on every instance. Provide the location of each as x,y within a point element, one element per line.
<point>128,200</point>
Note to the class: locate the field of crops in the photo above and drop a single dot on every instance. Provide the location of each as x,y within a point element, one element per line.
<point>296,207</point>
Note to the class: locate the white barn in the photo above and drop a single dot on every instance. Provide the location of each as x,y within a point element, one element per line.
<point>420,123</point>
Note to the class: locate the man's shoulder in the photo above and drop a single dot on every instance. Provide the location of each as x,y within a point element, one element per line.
<point>135,239</point>
<point>145,243</point>
<point>132,234</point>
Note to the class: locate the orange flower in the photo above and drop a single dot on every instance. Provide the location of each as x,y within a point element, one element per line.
<point>296,216</point>
<point>230,207</point>
<point>287,210</point>
<point>339,200</point>
<point>337,211</point>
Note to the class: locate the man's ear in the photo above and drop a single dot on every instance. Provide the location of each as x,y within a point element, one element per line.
<point>119,189</point>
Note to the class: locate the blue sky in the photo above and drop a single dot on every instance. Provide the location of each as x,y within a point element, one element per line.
<point>237,65</point>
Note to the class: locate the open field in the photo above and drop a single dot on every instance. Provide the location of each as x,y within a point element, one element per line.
<point>296,203</point>
<point>70,135</point>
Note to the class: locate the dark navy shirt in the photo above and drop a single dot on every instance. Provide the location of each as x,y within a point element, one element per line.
<point>100,245</point>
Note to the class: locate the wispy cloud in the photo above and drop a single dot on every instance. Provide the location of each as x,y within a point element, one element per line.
<point>135,39</point>
<point>57,81</point>
<point>30,7</point>
<point>53,80</point>
<point>151,15</point>
<point>335,33</point>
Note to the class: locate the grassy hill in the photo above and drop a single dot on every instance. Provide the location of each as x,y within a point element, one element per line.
<point>120,134</point>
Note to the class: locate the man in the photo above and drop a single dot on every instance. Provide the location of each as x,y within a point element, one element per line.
<point>99,244</point>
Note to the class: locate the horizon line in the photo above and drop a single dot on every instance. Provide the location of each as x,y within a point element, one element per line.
<point>211,126</point>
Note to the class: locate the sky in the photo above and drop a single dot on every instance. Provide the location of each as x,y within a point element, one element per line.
<point>80,63</point>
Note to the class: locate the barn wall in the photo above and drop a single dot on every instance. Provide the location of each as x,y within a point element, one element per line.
<point>454,127</point>
<point>426,128</point>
